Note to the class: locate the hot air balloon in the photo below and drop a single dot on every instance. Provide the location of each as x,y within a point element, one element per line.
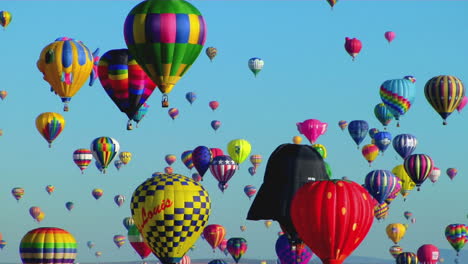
<point>252,171</point>
<point>353,46</point>
<point>343,124</point>
<point>90,244</point>
<point>237,246</point>
<point>98,254</point>
<point>40,217</point>
<point>395,250</point>
<point>383,114</point>
<point>119,240</point>
<point>118,164</point>
<point>444,93</point>
<point>215,124</point>
<point>452,172</point>
<point>332,3</point>
<point>428,254</point>
<point>404,144</point>
<point>456,235</point>
<point>137,242</point>
<point>185,260</point>
<point>214,234</point>
<point>434,175</point>
<point>407,258</point>
<point>191,97</point>
<point>321,149</point>
<point>97,193</point>
<point>340,210</point>
<point>104,150</point>
<point>50,189</point>
<point>3,243</point>
<point>389,36</point>
<point>380,184</point>
<point>395,232</point>
<point>69,205</point>
<point>460,107</point>
<point>5,18</point>
<point>82,158</point>
<point>186,158</point>
<point>211,52</point>
<point>268,223</point>
<point>372,132</point>
<point>215,152</point>
<point>119,200</point>
<point>177,197</point>
<point>94,72</point>
<point>196,177</point>
<point>382,140</point>
<point>66,65</point>
<point>3,94</point>
<point>48,245</point>
<point>398,96</point>
<point>255,65</point>
<point>124,81</point>
<point>358,130</point>
<point>250,191</point>
<point>168,170</point>
<point>50,125</point>
<point>34,211</point>
<point>312,129</point>
<point>256,160</point>
<point>165,52</point>
<point>370,152</point>
<point>223,168</point>
<point>125,157</point>
<point>242,228</point>
<point>418,167</point>
<point>223,245</point>
<point>239,150</point>
<point>407,215</point>
<point>213,105</point>
<point>290,255</point>
<point>170,159</point>
<point>173,113</point>
<point>407,183</point>
<point>297,140</point>
<point>381,211</point>
<point>395,192</point>
<point>128,222</point>
<point>142,111</point>
<point>18,193</point>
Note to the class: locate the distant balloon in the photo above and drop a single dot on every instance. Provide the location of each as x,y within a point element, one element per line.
<point>97,193</point>
<point>407,215</point>
<point>459,107</point>
<point>343,124</point>
<point>213,105</point>
<point>104,150</point>
<point>395,232</point>
<point>34,211</point>
<point>128,222</point>
<point>17,193</point>
<point>237,246</point>
<point>252,171</point>
<point>353,46</point>
<point>50,125</point>
<point>5,18</point>
<point>211,52</point>
<point>168,170</point>
<point>268,223</point>
<point>372,132</point>
<point>290,255</point>
<point>191,97</point>
<point>434,175</point>
<point>119,240</point>
<point>395,250</point>
<point>407,183</point>
<point>383,114</point>
<point>186,158</point>
<point>383,140</point>
<point>119,200</point>
<point>407,258</point>
<point>82,158</point>
<point>312,129</point>
<point>404,144</point>
<point>215,124</point>
<point>3,243</point>
<point>297,140</point>
<point>142,111</point>
<point>69,205</point>
<point>50,189</point>
<point>370,152</point>
<point>256,65</point>
<point>196,177</point>
<point>380,184</point>
<point>125,157</point>
<point>250,191</point>
<point>452,172</point>
<point>239,150</point>
<point>381,211</point>
<point>173,113</point>
<point>90,244</point>
<point>201,157</point>
<point>214,235</point>
<point>223,168</point>
<point>118,164</point>
<point>332,3</point>
<point>390,36</point>
<point>358,130</point>
<point>3,94</point>
<point>170,159</point>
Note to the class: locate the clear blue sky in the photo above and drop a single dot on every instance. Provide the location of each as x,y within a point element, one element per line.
<point>307,74</point>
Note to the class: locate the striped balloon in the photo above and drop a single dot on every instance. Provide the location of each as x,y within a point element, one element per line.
<point>418,167</point>
<point>165,52</point>
<point>256,160</point>
<point>395,191</point>
<point>404,144</point>
<point>382,114</point>
<point>237,246</point>
<point>256,65</point>
<point>119,240</point>
<point>191,97</point>
<point>186,158</point>
<point>17,192</point>
<point>370,152</point>
<point>288,254</point>
<point>173,113</point>
<point>214,235</point>
<point>170,158</point>
<point>223,168</point>
<point>398,96</point>
<point>358,130</point>
<point>104,150</point>
<point>343,124</point>
<point>381,211</point>
<point>395,250</point>
<point>407,258</point>
<point>82,158</point>
<point>137,242</point>
<point>97,193</point>
<point>250,191</point>
<point>48,245</point>
<point>50,125</point>
<point>3,243</point>
<point>383,140</point>
<point>211,52</point>
<point>380,184</point>
<point>452,172</point>
<point>185,260</point>
<point>456,235</point>
<point>444,93</point>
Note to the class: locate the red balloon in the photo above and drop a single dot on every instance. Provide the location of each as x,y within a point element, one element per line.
<point>342,214</point>
<point>353,46</point>
<point>213,105</point>
<point>428,254</point>
<point>215,152</point>
<point>214,235</point>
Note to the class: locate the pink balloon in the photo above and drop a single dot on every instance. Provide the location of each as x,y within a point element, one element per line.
<point>312,129</point>
<point>390,35</point>
<point>434,175</point>
<point>462,104</point>
<point>428,254</point>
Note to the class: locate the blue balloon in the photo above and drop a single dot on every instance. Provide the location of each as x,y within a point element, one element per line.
<point>141,113</point>
<point>201,157</point>
<point>191,97</point>
<point>382,140</point>
<point>287,255</point>
<point>380,184</point>
<point>372,132</point>
<point>405,144</point>
<point>383,114</point>
<point>358,130</point>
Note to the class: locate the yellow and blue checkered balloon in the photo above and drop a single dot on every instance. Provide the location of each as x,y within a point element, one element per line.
<point>170,211</point>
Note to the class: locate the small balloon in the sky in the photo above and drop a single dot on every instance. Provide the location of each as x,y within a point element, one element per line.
<point>213,105</point>
<point>390,36</point>
<point>5,19</point>
<point>452,172</point>
<point>459,107</point>
<point>256,65</point>
<point>211,52</point>
<point>69,205</point>
<point>196,177</point>
<point>50,125</point>
<point>252,171</point>
<point>168,170</point>
<point>119,200</point>
<point>97,193</point>
<point>343,124</point>
<point>353,46</point>
<point>3,94</point>
<point>215,124</point>
<point>173,113</point>
<point>191,97</point>
<point>297,140</point>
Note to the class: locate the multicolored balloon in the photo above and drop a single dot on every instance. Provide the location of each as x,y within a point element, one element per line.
<point>128,222</point>
<point>451,173</point>
<point>370,152</point>
<point>372,132</point>
<point>250,191</point>
<point>215,124</point>
<point>343,124</point>
<point>312,129</point>
<point>211,52</point>
<point>287,254</point>
<point>137,242</point>
<point>252,171</point>
<point>237,246</point>
<point>119,240</point>
<point>255,65</point>
<point>418,167</point>
<point>50,125</point>
<point>50,189</point>
<point>173,113</point>
<point>82,158</point>
<point>398,96</point>
<point>456,235</point>
<point>118,164</point>
<point>407,258</point>
<point>223,168</point>
<point>18,193</point>
<point>381,211</point>
<point>142,111</point>
<point>395,250</point>
<point>170,159</point>
<point>382,114</point>
<point>69,205</point>
<point>97,193</point>
<point>3,94</point>
<point>119,200</point>
<point>125,157</point>
<point>380,184</point>
<point>5,18</point>
<point>196,177</point>
<point>186,158</point>
<point>104,150</point>
<point>434,175</point>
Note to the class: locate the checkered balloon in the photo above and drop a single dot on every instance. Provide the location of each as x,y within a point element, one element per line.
<point>170,211</point>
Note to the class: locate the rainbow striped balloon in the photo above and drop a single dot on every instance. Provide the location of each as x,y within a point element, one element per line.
<point>82,158</point>
<point>119,240</point>
<point>49,245</point>
<point>237,246</point>
<point>456,235</point>
<point>398,96</point>
<point>186,158</point>
<point>104,150</point>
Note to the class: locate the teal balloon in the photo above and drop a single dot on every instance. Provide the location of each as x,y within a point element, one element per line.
<point>383,114</point>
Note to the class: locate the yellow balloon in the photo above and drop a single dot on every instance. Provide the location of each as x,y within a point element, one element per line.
<point>170,211</point>
<point>268,223</point>
<point>50,125</point>
<point>66,65</point>
<point>40,217</point>
<point>125,157</point>
<point>407,183</point>
<point>239,150</point>
<point>321,149</point>
<point>297,140</point>
<point>395,232</point>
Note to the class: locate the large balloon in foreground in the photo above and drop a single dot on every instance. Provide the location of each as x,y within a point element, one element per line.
<point>428,254</point>
<point>170,196</point>
<point>50,125</point>
<point>444,93</point>
<point>66,65</point>
<point>49,245</point>
<point>312,129</point>
<point>289,255</point>
<point>104,150</point>
<point>237,246</point>
<point>165,37</point>
<point>342,213</point>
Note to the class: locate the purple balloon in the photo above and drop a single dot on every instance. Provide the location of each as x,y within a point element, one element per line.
<point>201,157</point>
<point>288,256</point>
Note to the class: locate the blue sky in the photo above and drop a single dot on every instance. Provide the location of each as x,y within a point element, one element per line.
<point>307,74</point>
